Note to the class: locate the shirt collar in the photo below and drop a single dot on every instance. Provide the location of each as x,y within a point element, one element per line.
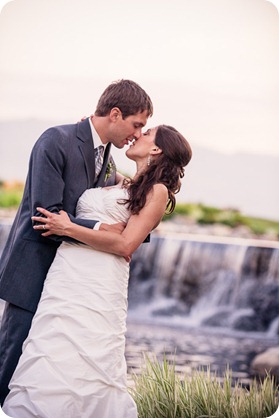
<point>96,138</point>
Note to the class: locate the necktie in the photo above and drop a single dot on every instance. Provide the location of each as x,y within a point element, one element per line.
<point>99,156</point>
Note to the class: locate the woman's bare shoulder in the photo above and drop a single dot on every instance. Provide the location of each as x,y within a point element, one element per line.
<point>160,188</point>
<point>158,191</point>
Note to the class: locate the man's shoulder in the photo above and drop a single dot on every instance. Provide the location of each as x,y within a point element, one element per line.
<point>65,128</point>
<point>55,135</point>
<point>60,134</point>
<point>78,128</point>
<point>62,131</point>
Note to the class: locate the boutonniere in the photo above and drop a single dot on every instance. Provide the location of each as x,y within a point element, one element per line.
<point>110,168</point>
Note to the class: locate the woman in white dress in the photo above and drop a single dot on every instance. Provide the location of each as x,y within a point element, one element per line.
<point>73,361</point>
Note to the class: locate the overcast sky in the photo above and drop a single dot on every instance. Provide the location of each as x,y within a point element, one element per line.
<point>210,66</point>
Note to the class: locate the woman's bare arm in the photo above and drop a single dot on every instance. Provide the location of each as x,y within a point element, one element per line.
<point>119,177</point>
<point>124,244</point>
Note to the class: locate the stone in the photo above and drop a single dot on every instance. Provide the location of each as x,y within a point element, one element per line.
<point>266,362</point>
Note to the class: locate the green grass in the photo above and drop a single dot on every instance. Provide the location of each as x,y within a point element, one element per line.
<point>10,198</point>
<point>208,215</point>
<point>160,392</point>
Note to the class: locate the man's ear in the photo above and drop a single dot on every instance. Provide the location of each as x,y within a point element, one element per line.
<point>115,114</point>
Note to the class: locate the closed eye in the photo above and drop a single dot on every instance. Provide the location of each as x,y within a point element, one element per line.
<point>138,125</point>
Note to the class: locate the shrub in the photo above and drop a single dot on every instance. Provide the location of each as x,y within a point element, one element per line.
<point>10,194</point>
<point>160,392</point>
<point>10,199</point>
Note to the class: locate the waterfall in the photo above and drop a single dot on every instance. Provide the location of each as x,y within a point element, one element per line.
<point>232,284</point>
<point>213,282</point>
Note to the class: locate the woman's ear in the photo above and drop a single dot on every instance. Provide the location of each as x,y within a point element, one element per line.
<point>155,151</point>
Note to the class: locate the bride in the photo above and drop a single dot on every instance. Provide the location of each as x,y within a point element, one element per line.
<point>73,362</point>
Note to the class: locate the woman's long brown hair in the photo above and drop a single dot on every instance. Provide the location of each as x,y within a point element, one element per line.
<point>168,169</point>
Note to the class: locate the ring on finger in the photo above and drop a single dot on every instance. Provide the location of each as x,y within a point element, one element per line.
<point>44,227</point>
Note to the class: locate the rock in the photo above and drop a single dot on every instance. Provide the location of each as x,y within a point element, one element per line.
<point>246,320</point>
<point>268,361</point>
<point>218,319</point>
<point>265,301</point>
<point>171,310</point>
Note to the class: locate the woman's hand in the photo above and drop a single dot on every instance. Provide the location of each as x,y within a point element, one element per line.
<point>54,223</point>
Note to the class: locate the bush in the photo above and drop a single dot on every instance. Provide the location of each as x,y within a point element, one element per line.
<point>160,392</point>
<point>208,215</point>
<point>10,199</point>
<point>10,194</point>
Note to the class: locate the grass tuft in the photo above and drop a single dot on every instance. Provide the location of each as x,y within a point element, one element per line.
<point>160,392</point>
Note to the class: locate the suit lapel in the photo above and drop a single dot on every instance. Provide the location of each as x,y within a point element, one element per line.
<point>87,149</point>
<point>86,146</point>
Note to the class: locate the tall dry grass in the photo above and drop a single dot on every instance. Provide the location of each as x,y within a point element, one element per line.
<point>160,392</point>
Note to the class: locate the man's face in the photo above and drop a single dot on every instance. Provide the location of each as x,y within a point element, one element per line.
<point>123,131</point>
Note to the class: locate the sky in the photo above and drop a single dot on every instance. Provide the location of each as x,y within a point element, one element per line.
<point>210,66</point>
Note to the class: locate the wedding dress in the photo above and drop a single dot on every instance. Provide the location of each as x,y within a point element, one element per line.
<point>73,363</point>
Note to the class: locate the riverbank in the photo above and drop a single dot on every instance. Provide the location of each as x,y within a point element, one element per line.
<point>181,224</point>
<point>186,226</point>
<point>195,348</point>
<point>192,348</point>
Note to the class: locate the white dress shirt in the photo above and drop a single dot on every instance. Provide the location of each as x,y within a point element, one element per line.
<point>97,142</point>
<point>96,138</point>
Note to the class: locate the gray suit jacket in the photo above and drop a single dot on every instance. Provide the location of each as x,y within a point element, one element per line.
<point>61,168</point>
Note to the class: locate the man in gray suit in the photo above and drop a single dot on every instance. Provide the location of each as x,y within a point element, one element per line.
<point>62,166</point>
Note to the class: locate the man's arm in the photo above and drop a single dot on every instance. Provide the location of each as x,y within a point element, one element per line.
<point>123,244</point>
<point>46,183</point>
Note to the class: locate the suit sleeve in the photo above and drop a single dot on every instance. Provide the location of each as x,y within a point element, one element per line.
<point>46,183</point>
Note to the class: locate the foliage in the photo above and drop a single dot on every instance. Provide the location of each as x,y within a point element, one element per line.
<point>208,215</point>
<point>10,194</point>
<point>160,392</point>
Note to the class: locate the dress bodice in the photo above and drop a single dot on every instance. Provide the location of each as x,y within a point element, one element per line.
<point>102,204</point>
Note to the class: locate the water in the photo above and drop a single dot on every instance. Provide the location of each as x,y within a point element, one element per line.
<point>211,302</point>
<point>230,284</point>
<point>206,302</point>
<point>194,348</point>
<point>191,347</point>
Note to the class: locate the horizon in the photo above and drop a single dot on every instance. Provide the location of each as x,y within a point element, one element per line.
<point>210,68</point>
<point>48,122</point>
<point>241,181</point>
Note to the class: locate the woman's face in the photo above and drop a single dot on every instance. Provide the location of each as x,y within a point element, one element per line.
<point>142,147</point>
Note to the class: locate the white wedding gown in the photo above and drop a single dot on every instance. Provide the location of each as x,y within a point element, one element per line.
<point>73,363</point>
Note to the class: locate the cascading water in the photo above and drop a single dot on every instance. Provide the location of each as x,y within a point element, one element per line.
<point>203,287</point>
<point>191,281</point>
<point>219,284</point>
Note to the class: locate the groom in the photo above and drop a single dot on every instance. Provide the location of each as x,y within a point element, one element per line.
<point>62,166</point>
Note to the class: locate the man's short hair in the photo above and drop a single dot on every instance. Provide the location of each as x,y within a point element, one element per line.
<point>128,96</point>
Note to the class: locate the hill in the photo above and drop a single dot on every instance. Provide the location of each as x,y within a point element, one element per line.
<point>242,181</point>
